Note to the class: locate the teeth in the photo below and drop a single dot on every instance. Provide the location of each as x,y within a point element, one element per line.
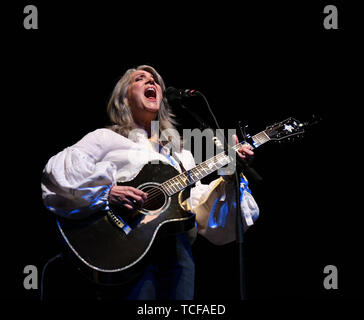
<point>150,92</point>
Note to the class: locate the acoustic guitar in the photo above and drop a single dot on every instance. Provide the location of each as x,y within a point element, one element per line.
<point>111,246</point>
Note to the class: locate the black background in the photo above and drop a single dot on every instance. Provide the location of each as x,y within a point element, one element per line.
<point>259,63</point>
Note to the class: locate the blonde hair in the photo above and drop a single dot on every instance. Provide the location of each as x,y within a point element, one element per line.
<point>119,113</point>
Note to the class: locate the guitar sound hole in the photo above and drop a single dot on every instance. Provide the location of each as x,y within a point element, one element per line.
<point>156,199</point>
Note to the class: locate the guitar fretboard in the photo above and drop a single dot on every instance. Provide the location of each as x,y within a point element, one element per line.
<point>189,177</point>
<point>260,138</point>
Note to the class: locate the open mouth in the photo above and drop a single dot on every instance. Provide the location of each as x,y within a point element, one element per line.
<point>150,93</point>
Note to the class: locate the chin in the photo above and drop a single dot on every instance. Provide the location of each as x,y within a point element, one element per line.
<point>151,108</point>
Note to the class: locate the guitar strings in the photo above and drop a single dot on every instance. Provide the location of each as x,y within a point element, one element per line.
<point>157,191</point>
<point>213,159</point>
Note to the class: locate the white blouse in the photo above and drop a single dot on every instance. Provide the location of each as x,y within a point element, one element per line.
<point>76,182</point>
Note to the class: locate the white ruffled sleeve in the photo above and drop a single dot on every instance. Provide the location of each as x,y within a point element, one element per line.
<point>76,182</point>
<point>215,208</point>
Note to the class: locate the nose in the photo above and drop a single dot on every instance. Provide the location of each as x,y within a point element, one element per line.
<point>151,80</point>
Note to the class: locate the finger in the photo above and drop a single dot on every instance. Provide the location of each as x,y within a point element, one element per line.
<point>138,192</point>
<point>132,195</point>
<point>135,190</point>
<point>128,206</point>
<point>136,200</point>
<point>247,150</point>
<point>241,155</point>
<point>125,202</point>
<point>141,193</point>
<point>235,139</point>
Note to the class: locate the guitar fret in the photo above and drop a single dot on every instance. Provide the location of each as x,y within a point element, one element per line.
<point>200,172</point>
<point>224,160</point>
<point>193,175</point>
<point>166,188</point>
<point>173,187</point>
<point>202,166</point>
<point>260,138</point>
<point>185,179</point>
<point>238,146</point>
<point>170,186</point>
<point>189,177</point>
<point>211,165</point>
<point>181,181</point>
<point>178,185</point>
<point>197,173</point>
<point>214,166</point>
<point>211,162</point>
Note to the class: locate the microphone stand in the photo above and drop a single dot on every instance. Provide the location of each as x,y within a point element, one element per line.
<point>243,166</point>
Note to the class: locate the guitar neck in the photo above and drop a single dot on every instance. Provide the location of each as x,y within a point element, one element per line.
<point>189,177</point>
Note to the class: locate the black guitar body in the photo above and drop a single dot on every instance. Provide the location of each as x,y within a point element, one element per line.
<point>112,247</point>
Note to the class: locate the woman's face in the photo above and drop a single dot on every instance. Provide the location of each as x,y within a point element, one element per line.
<point>144,95</point>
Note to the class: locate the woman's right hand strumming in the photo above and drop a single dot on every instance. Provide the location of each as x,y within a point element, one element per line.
<point>129,197</point>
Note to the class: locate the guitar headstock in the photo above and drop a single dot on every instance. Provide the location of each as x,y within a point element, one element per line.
<point>285,129</point>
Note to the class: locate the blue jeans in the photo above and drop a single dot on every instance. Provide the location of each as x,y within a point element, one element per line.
<point>170,274</point>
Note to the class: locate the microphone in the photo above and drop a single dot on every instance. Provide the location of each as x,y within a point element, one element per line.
<point>177,94</point>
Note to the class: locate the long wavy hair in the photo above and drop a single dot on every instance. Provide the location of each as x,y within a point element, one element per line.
<point>120,115</point>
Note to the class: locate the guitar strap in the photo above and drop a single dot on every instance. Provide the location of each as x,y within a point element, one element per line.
<point>182,167</point>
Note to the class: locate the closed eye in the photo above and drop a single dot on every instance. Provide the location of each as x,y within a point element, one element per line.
<point>138,78</point>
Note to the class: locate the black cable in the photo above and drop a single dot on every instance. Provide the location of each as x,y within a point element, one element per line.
<point>43,272</point>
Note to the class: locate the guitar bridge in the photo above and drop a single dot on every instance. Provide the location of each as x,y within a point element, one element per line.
<point>118,222</point>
